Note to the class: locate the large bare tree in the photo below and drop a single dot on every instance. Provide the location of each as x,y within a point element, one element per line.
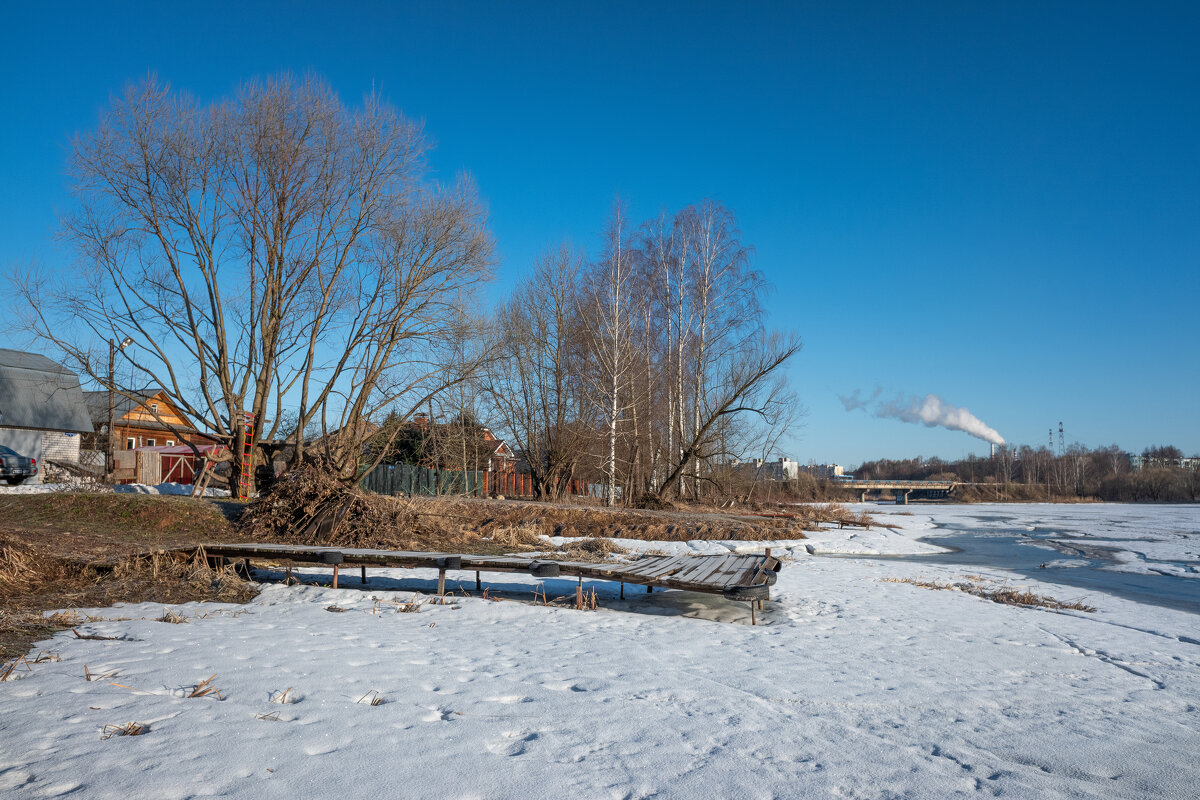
<point>275,251</point>
<point>535,386</point>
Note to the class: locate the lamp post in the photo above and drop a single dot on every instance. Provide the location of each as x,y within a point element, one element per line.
<point>113,347</point>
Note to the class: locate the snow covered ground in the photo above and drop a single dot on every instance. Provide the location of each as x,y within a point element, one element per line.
<point>92,486</point>
<point>851,686</point>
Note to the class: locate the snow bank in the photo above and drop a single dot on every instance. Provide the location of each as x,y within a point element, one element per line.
<point>129,488</point>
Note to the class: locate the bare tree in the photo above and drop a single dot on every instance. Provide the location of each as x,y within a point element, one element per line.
<point>741,385</point>
<point>606,321</point>
<point>535,385</point>
<point>274,249</point>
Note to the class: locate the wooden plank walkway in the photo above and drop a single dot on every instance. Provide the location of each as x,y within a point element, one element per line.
<point>733,576</point>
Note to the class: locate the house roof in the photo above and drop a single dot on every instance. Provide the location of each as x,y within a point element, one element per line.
<point>37,393</point>
<point>97,403</point>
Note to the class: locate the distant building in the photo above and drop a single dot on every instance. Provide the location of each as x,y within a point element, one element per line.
<point>42,410</point>
<point>1138,462</point>
<point>782,470</point>
<point>825,470</point>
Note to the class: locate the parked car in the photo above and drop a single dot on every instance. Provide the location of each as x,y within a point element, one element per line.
<point>15,467</point>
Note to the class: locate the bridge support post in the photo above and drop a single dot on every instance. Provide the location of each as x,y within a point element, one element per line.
<point>901,496</point>
<point>862,496</point>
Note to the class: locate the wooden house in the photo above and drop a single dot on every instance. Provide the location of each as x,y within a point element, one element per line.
<point>149,419</point>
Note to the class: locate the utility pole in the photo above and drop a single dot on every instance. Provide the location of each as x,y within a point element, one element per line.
<point>110,456</point>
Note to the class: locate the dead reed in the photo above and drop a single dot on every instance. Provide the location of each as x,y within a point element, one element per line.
<point>8,669</point>
<point>372,698</point>
<point>128,729</point>
<point>410,606</point>
<point>88,675</point>
<point>34,578</point>
<point>1001,593</point>
<point>94,636</point>
<point>205,689</point>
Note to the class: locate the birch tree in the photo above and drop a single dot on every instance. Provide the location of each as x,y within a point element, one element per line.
<point>608,327</point>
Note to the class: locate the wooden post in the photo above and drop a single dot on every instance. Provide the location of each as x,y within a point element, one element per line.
<point>753,619</point>
<point>335,574</point>
<point>478,583</point>
<point>364,574</point>
<point>649,590</point>
<point>441,582</point>
<point>287,576</point>
<point>760,602</point>
<point>622,590</point>
<point>579,594</point>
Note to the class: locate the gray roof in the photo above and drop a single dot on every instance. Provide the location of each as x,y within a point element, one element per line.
<point>37,393</point>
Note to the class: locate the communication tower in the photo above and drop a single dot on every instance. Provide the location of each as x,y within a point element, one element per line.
<point>1062,443</point>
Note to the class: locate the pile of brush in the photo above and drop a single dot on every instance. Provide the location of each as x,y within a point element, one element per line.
<point>311,506</point>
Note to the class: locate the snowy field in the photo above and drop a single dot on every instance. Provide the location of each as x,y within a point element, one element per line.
<point>851,686</point>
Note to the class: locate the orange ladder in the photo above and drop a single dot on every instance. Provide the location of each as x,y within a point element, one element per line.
<point>246,486</point>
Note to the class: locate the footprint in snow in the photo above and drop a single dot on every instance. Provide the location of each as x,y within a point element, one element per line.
<point>513,743</point>
<point>439,715</point>
<point>509,699</point>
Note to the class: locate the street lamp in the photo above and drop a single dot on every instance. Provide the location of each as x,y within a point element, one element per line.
<point>113,347</point>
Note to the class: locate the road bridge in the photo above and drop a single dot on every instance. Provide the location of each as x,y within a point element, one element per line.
<point>901,490</point>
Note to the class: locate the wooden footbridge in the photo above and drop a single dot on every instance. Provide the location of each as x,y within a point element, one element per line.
<point>746,578</point>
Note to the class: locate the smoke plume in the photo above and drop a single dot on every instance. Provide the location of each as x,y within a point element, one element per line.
<point>932,412</point>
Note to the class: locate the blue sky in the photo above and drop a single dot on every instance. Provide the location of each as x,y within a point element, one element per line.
<point>999,205</point>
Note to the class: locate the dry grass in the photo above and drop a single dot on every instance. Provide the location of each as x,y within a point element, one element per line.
<point>283,697</point>
<point>34,577</point>
<point>410,606</point>
<point>372,698</point>
<point>105,524</point>
<point>311,507</point>
<point>518,537</point>
<point>205,689</point>
<point>88,675</point>
<point>172,617</point>
<point>128,729</point>
<point>998,593</point>
<point>271,717</point>
<point>593,549</point>
<point>8,670</point>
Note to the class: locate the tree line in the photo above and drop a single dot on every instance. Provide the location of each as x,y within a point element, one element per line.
<point>282,254</point>
<point>1026,473</point>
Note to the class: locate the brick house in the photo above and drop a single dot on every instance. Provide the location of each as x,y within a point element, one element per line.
<point>42,410</point>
